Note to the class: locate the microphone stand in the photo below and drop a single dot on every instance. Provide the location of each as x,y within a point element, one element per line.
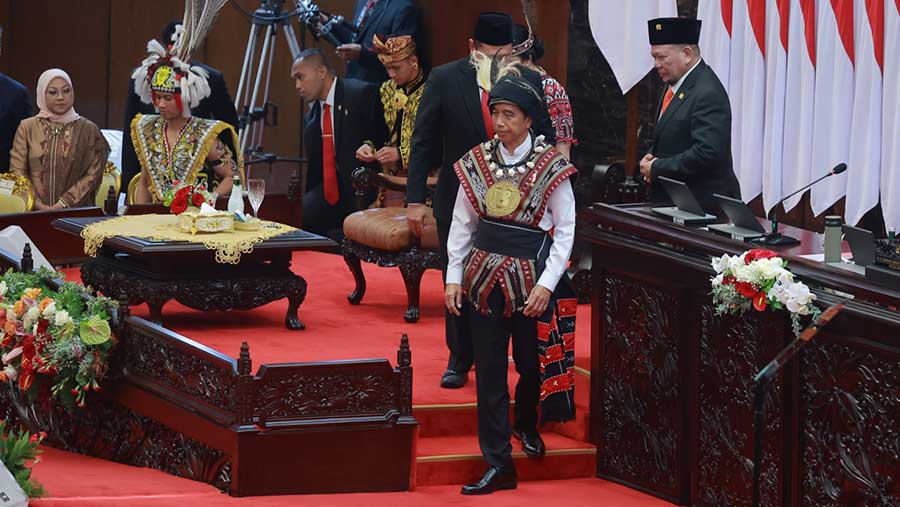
<point>763,381</point>
<point>775,238</point>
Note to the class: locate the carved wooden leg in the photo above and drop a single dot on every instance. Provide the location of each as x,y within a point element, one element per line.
<point>156,305</point>
<point>295,298</point>
<point>412,272</point>
<point>355,266</point>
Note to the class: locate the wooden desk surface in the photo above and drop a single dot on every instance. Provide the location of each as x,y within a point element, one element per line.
<point>297,240</point>
<point>636,220</point>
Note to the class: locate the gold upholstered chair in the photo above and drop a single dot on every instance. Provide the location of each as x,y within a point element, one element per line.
<point>112,177</point>
<point>381,236</point>
<point>21,197</point>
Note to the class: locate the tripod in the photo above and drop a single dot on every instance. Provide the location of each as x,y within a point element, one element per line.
<point>255,115</point>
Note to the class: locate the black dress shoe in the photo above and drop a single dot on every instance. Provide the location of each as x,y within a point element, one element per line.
<point>453,379</point>
<point>494,479</point>
<point>532,443</point>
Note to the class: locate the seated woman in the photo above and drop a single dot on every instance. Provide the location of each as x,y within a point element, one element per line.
<point>174,147</point>
<point>61,153</point>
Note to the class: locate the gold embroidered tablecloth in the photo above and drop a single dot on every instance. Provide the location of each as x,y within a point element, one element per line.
<point>228,245</point>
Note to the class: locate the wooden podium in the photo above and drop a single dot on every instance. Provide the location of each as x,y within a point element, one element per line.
<point>671,382</point>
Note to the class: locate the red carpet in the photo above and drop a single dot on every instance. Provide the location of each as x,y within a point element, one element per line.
<point>448,453</point>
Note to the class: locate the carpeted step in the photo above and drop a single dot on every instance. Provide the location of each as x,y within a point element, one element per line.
<point>457,460</point>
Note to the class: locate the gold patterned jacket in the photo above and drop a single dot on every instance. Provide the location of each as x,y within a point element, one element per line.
<point>184,161</point>
<point>398,102</point>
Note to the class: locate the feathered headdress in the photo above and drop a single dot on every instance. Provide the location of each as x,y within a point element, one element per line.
<point>531,20</point>
<point>170,70</point>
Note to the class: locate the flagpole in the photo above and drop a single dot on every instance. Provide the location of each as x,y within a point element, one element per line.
<point>630,189</point>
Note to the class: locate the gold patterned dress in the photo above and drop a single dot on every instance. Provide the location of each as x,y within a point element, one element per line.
<point>401,103</point>
<point>183,162</point>
<point>63,162</point>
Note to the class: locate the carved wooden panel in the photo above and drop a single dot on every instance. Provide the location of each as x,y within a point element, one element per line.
<point>640,412</point>
<point>732,350</point>
<point>851,426</point>
<point>151,356</point>
<point>284,393</point>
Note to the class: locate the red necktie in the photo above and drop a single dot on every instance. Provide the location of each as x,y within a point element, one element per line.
<point>666,100</point>
<point>329,167</point>
<point>486,114</point>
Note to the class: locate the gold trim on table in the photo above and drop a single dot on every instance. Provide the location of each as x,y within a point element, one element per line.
<point>228,245</point>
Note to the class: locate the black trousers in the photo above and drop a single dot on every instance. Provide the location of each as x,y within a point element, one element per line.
<point>459,339</point>
<point>490,336</point>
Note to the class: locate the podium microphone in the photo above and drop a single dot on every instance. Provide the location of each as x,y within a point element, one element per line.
<point>774,238</point>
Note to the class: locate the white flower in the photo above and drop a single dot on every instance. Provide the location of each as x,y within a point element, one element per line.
<point>62,318</point>
<point>31,316</point>
<point>798,298</point>
<point>49,311</point>
<point>720,264</point>
<point>3,288</point>
<point>718,280</point>
<point>11,373</point>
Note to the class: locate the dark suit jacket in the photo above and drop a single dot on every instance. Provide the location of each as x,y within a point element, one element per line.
<point>449,124</point>
<point>218,106</point>
<point>388,18</point>
<point>692,140</point>
<point>357,116</point>
<point>14,107</point>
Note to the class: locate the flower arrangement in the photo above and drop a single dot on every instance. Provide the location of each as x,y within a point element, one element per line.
<point>180,196</point>
<point>19,453</point>
<point>759,279</point>
<point>52,337</point>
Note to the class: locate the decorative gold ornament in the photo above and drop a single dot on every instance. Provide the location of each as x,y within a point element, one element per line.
<point>502,198</point>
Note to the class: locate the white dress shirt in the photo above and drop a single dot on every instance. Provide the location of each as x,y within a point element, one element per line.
<point>330,101</point>
<point>680,82</point>
<point>560,216</point>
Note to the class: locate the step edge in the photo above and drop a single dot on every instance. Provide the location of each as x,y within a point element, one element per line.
<point>516,454</point>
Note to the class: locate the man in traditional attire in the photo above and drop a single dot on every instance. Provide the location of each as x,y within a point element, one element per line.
<point>510,271</point>
<point>692,138</point>
<point>373,17</point>
<point>343,114</point>
<point>174,147</point>
<point>14,107</point>
<point>453,117</point>
<point>400,96</point>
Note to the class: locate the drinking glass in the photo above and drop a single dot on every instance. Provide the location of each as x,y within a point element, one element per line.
<point>256,192</point>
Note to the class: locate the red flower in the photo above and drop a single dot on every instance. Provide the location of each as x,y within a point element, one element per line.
<point>183,192</point>
<point>33,439</point>
<point>759,253</point>
<point>197,199</point>
<point>729,280</point>
<point>760,301</point>
<point>746,289</point>
<point>179,204</point>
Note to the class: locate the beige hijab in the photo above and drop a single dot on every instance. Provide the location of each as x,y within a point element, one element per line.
<point>43,82</point>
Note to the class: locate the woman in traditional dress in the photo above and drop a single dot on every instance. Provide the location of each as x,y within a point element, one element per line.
<point>61,153</point>
<point>529,48</point>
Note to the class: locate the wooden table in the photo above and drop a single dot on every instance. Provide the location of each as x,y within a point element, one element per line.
<point>671,381</point>
<point>136,270</point>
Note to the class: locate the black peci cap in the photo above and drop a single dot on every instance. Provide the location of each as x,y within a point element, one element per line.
<point>494,28</point>
<point>673,31</point>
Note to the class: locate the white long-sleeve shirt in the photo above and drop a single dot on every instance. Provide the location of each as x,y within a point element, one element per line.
<point>560,216</point>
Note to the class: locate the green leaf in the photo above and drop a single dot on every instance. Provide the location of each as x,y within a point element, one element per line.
<point>95,331</point>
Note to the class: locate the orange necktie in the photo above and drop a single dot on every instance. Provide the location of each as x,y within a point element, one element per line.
<point>666,100</point>
<point>486,115</point>
<point>329,167</point>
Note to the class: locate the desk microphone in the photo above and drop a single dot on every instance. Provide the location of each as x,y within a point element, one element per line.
<point>774,238</point>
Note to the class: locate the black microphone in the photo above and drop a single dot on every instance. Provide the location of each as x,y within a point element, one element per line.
<point>775,238</point>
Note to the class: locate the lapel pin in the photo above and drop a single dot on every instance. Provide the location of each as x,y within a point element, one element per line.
<point>681,95</point>
<point>658,27</point>
<point>339,107</point>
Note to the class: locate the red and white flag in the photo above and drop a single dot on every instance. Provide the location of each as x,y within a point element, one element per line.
<point>777,20</point>
<point>620,31</point>
<point>747,92</point>
<point>798,108</point>
<point>715,36</point>
<point>865,130</point>
<point>834,100</point>
<point>890,148</point>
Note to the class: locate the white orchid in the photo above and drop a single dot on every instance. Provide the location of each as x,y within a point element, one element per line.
<point>720,264</point>
<point>718,280</point>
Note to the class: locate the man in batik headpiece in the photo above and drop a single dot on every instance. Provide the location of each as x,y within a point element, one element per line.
<point>400,97</point>
<point>174,147</point>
